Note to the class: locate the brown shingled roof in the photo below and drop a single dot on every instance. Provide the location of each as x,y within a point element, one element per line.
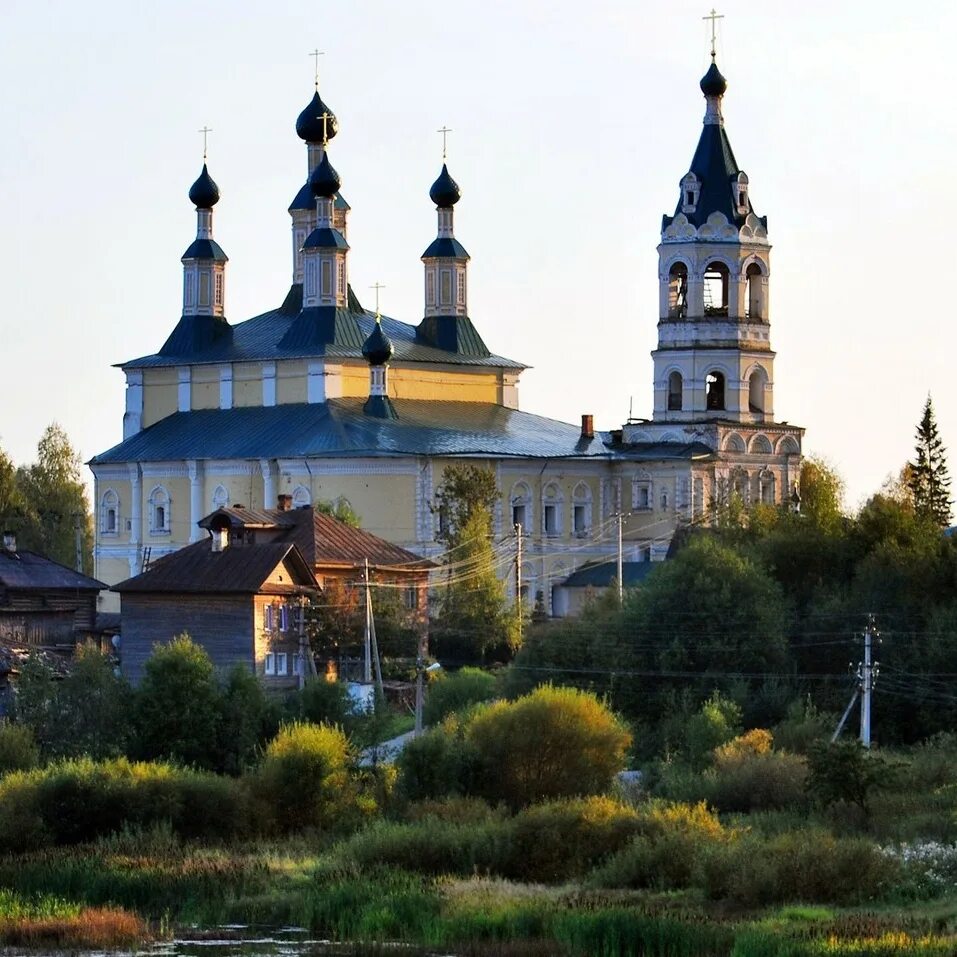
<point>237,569</point>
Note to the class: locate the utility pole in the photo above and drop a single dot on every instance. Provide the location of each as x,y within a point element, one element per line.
<point>78,541</point>
<point>518,578</point>
<point>367,660</point>
<point>868,672</point>
<point>621,563</point>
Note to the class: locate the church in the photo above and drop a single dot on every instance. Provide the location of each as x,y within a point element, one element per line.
<point>325,400</point>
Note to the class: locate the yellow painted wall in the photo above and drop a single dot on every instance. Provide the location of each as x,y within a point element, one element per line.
<point>247,384</point>
<point>453,384</point>
<point>159,394</point>
<point>204,389</point>
<point>112,570</point>
<point>291,381</point>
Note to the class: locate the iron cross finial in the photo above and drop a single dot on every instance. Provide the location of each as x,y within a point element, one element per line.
<point>206,130</point>
<point>377,286</point>
<point>444,131</point>
<point>714,17</point>
<point>316,54</point>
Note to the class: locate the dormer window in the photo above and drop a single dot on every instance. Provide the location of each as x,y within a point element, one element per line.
<point>739,189</point>
<point>690,192</point>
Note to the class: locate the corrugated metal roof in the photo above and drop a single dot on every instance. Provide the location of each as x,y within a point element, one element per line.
<point>27,570</point>
<point>264,338</point>
<point>602,574</point>
<point>235,570</point>
<point>339,427</point>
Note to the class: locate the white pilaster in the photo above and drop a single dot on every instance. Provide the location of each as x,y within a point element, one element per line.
<point>136,505</point>
<point>269,383</point>
<point>269,483</point>
<point>133,417</point>
<point>183,401</point>
<point>194,470</point>
<point>226,386</point>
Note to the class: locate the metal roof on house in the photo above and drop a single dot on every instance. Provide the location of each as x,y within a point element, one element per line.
<point>340,427</point>
<point>241,569</point>
<point>602,574</point>
<point>264,338</point>
<point>27,570</point>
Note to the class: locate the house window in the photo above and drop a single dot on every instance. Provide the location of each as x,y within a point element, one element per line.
<point>159,511</point>
<point>282,663</point>
<point>284,618</point>
<point>411,598</point>
<point>269,618</point>
<point>219,289</point>
<point>269,666</point>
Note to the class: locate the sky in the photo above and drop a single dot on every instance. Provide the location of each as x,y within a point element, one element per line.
<point>571,127</point>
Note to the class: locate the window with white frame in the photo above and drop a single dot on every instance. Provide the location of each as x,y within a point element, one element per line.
<point>445,287</point>
<point>159,511</point>
<point>430,287</point>
<point>411,595</point>
<point>284,618</point>
<point>581,509</point>
<point>219,289</point>
<point>301,496</point>
<point>220,496</point>
<point>282,663</point>
<point>269,664</point>
<point>109,513</point>
<point>551,510</point>
<point>521,499</point>
<point>641,499</point>
<point>269,618</point>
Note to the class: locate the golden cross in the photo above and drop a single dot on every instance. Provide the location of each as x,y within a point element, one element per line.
<point>377,286</point>
<point>326,116</point>
<point>205,130</point>
<point>316,54</point>
<point>714,17</point>
<point>444,131</point>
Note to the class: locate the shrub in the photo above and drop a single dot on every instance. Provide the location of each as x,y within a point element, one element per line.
<point>453,810</point>
<point>803,727</point>
<point>457,692</point>
<point>846,772</point>
<point>18,748</point>
<point>178,705</point>
<point>304,778</point>
<point>561,840</point>
<point>749,776</point>
<point>325,702</point>
<point>437,764</point>
<point>552,743</point>
<point>248,719</point>
<point>716,723</point>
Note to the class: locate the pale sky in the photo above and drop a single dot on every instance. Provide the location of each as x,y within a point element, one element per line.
<point>572,125</point>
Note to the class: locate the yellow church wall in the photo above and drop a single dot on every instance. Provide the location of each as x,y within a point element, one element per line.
<point>159,394</point>
<point>291,381</point>
<point>247,384</point>
<point>179,524</point>
<point>121,487</point>
<point>112,570</point>
<point>424,383</point>
<point>204,387</point>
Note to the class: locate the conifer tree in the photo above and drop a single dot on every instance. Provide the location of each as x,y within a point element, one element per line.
<point>928,478</point>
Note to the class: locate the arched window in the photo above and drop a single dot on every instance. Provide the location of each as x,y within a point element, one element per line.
<point>716,289</point>
<point>714,391</point>
<point>220,496</point>
<point>766,487</point>
<point>551,510</point>
<point>788,446</point>
<point>753,300</point>
<point>581,510</point>
<point>756,383</point>
<point>521,500</point>
<point>734,443</point>
<point>760,445</point>
<point>664,499</point>
<point>159,511</point>
<point>675,392</point>
<point>109,513</point>
<point>740,188</point>
<point>641,499</point>
<point>739,485</point>
<point>301,496</point>
<point>678,291</point>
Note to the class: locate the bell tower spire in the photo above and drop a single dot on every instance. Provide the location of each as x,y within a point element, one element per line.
<point>714,358</point>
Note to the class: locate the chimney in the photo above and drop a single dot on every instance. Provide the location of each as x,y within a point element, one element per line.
<point>588,426</point>
<point>10,542</point>
<point>220,539</point>
<point>284,503</point>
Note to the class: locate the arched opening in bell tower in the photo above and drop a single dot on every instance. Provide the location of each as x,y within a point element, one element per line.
<point>716,278</point>
<point>756,383</point>
<point>678,291</point>
<point>714,392</point>
<point>675,391</point>
<point>753,304</point>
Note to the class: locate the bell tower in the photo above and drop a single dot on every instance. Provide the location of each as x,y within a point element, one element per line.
<point>714,358</point>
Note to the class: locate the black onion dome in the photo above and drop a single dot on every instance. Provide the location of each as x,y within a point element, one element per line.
<point>204,193</point>
<point>377,349</point>
<point>324,180</point>
<point>309,124</point>
<point>445,191</point>
<point>713,83</point>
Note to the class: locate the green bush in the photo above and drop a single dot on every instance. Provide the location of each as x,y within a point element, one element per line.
<point>749,776</point>
<point>803,727</point>
<point>305,778</point>
<point>437,764</point>
<point>248,718</point>
<point>18,748</point>
<point>80,800</point>
<point>561,840</point>
<point>806,865</point>
<point>453,810</point>
<point>325,702</point>
<point>457,692</point>
<point>552,743</point>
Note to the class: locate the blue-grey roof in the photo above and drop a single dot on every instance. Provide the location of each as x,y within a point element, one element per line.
<point>340,427</point>
<point>206,249</point>
<point>322,237</point>
<point>305,199</point>
<point>445,247</point>
<point>263,338</point>
<point>601,574</point>
<point>198,334</point>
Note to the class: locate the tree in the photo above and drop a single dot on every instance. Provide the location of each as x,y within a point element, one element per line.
<point>465,489</point>
<point>552,743</point>
<point>249,718</point>
<point>822,493</point>
<point>847,772</point>
<point>53,497</point>
<point>178,705</point>
<point>929,479</point>
<point>340,509</point>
